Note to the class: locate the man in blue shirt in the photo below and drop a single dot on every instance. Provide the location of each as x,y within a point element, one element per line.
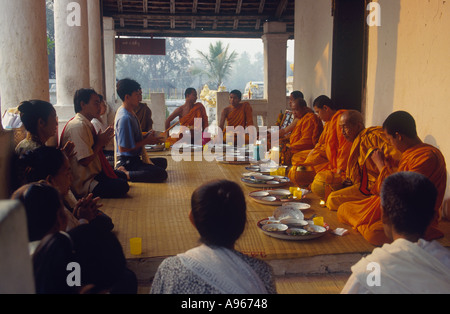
<point>129,140</point>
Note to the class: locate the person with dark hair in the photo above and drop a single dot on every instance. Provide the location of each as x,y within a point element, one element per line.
<point>101,125</point>
<point>295,95</point>
<point>41,122</point>
<point>218,212</point>
<point>98,253</point>
<point>130,143</point>
<point>365,215</point>
<point>306,133</point>
<point>238,113</point>
<point>187,113</point>
<point>53,166</point>
<point>328,159</point>
<point>90,169</point>
<point>409,264</point>
<point>361,170</point>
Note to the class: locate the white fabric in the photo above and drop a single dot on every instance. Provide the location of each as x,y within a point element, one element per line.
<point>79,131</point>
<point>223,269</point>
<point>405,268</point>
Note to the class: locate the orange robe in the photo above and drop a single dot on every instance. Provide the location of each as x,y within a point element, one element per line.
<point>197,111</point>
<point>361,169</point>
<point>366,215</point>
<point>304,136</point>
<point>240,115</point>
<point>330,153</point>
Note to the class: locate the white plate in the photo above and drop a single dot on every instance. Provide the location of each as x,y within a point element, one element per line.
<point>280,192</point>
<point>294,222</point>
<point>274,227</point>
<point>259,193</point>
<point>269,199</point>
<point>273,182</point>
<point>297,205</point>
<point>263,177</point>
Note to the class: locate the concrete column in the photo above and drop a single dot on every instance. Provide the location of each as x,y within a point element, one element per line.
<point>23,52</point>
<point>222,101</point>
<point>158,107</point>
<point>95,46</point>
<point>72,53</point>
<point>109,38</point>
<point>275,54</point>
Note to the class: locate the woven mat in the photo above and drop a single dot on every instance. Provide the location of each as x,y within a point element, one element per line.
<point>158,213</point>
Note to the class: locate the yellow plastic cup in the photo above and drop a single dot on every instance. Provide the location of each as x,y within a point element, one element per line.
<point>273,171</point>
<point>167,145</point>
<point>298,193</point>
<point>318,221</point>
<point>292,189</point>
<point>281,171</point>
<point>136,246</point>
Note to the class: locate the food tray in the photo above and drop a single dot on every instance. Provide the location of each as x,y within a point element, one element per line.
<point>272,197</point>
<point>288,233</point>
<point>259,181</point>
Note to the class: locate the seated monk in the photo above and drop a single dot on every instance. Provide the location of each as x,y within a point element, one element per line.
<point>237,114</point>
<point>307,128</point>
<point>187,114</point>
<point>361,170</point>
<point>365,216</point>
<point>285,133</point>
<point>144,115</point>
<point>328,159</point>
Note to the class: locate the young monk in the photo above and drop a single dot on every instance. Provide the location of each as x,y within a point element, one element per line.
<point>365,216</point>
<point>237,114</point>
<point>307,129</point>
<point>330,155</point>
<point>361,170</point>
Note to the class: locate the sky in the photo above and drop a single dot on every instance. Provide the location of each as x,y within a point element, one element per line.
<point>252,46</point>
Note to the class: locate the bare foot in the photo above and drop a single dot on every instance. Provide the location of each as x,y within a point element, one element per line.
<point>122,168</point>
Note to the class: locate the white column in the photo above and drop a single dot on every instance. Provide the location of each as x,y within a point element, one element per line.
<point>72,53</point>
<point>109,37</point>
<point>95,46</point>
<point>23,52</point>
<point>158,107</point>
<point>275,54</point>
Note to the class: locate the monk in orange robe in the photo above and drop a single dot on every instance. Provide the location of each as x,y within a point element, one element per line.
<point>237,114</point>
<point>307,130</point>
<point>361,170</point>
<point>366,215</point>
<point>187,114</point>
<point>330,155</point>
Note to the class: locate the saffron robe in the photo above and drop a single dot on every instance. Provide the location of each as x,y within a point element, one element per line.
<point>330,153</point>
<point>366,215</point>
<point>197,111</point>
<point>361,169</point>
<point>305,136</point>
<point>240,115</point>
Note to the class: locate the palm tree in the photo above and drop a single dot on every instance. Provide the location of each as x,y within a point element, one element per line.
<point>217,63</point>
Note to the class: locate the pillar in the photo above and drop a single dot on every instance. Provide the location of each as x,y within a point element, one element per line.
<point>109,37</point>
<point>275,54</point>
<point>158,107</point>
<point>23,52</point>
<point>72,53</point>
<point>95,46</point>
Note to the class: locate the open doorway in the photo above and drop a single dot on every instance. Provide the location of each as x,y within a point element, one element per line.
<point>349,53</point>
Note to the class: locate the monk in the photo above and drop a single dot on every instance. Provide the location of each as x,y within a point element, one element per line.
<point>237,114</point>
<point>144,115</point>
<point>187,113</point>
<point>361,170</point>
<point>328,159</point>
<point>366,215</point>
<point>285,133</point>
<point>307,128</point>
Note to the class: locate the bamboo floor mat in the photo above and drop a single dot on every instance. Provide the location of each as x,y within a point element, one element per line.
<point>158,213</point>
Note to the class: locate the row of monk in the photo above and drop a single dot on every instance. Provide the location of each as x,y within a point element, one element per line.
<point>344,162</point>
